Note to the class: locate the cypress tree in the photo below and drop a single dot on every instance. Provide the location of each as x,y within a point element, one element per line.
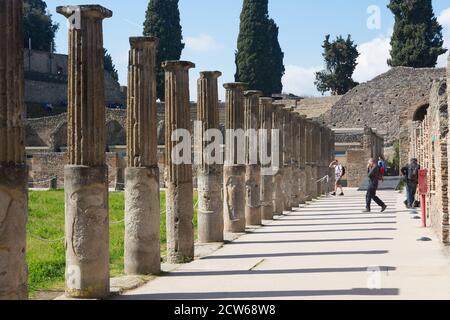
<point>340,61</point>
<point>163,21</point>
<point>38,25</point>
<point>417,40</point>
<point>259,59</point>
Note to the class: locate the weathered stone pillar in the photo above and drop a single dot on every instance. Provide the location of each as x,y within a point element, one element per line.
<point>13,169</point>
<point>287,160</point>
<point>278,196</point>
<point>142,207</point>
<point>209,175</point>
<point>180,193</point>
<point>85,176</point>
<point>309,155</point>
<point>252,165</point>
<point>266,118</point>
<point>302,159</point>
<point>295,159</point>
<point>234,170</point>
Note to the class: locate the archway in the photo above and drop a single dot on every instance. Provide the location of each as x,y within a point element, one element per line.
<point>420,113</point>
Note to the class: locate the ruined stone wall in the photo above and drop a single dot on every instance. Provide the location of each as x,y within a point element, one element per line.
<point>46,80</point>
<point>387,103</point>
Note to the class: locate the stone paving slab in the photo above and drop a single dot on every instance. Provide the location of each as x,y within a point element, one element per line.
<point>325,250</point>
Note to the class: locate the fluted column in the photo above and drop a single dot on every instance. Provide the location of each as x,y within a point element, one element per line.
<point>13,169</point>
<point>209,174</point>
<point>302,159</point>
<point>266,118</point>
<point>315,159</point>
<point>296,176</point>
<point>85,176</point>
<point>252,165</point>
<point>287,159</point>
<point>278,192</point>
<point>308,164</point>
<point>234,170</point>
<point>179,196</point>
<point>142,207</point>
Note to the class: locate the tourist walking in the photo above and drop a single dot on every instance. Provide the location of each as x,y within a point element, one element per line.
<point>411,176</point>
<point>374,179</point>
<point>339,172</point>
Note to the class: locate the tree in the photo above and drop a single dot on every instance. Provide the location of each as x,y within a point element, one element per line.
<point>259,58</point>
<point>38,26</point>
<point>340,60</point>
<point>109,65</point>
<point>163,21</point>
<point>417,40</point>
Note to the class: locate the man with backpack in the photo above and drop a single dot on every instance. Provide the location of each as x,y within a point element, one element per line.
<point>374,179</point>
<point>411,174</point>
<point>339,173</point>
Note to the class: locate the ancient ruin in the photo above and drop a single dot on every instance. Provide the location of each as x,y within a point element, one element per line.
<point>209,173</point>
<point>266,195</point>
<point>13,169</point>
<point>142,214</point>
<point>179,196</point>
<point>234,202</point>
<point>86,190</point>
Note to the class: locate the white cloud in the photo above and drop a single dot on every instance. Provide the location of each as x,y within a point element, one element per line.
<point>300,80</point>
<point>373,59</point>
<point>202,43</point>
<point>444,20</point>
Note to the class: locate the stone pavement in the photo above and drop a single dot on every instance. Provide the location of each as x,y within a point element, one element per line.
<point>325,250</point>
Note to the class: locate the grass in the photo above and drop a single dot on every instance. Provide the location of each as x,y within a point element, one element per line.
<point>45,237</point>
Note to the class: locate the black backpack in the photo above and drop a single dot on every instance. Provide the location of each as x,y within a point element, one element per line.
<point>343,171</point>
<point>413,173</point>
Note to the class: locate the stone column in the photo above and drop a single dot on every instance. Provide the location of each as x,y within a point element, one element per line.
<point>85,176</point>
<point>13,169</point>
<point>308,164</point>
<point>287,159</point>
<point>180,194</point>
<point>302,160</point>
<point>295,159</point>
<point>278,196</point>
<point>252,165</point>
<point>234,171</point>
<point>209,175</point>
<point>266,117</point>
<point>142,207</point>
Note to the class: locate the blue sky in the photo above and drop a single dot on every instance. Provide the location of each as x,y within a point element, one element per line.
<point>210,30</point>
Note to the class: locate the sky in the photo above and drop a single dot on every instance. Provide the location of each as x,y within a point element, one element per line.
<point>210,31</point>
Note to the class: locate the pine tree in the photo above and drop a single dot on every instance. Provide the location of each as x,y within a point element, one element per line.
<point>163,21</point>
<point>417,40</point>
<point>38,26</point>
<point>340,60</point>
<point>259,58</point>
<point>109,65</point>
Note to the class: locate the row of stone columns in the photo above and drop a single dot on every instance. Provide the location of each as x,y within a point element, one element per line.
<point>232,195</point>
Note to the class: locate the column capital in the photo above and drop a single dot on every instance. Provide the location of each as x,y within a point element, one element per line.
<point>235,86</point>
<point>252,93</point>
<point>265,100</point>
<point>210,74</point>
<point>93,11</point>
<point>144,42</point>
<point>172,65</point>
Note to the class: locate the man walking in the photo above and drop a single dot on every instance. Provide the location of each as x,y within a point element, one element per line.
<point>374,178</point>
<point>339,172</point>
<point>411,174</point>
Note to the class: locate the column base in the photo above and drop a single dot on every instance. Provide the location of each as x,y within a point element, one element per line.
<point>13,220</point>
<point>87,232</point>
<point>234,199</point>
<point>210,208</point>
<point>142,254</point>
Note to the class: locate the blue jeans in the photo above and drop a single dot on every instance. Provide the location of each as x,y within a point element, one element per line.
<point>411,189</point>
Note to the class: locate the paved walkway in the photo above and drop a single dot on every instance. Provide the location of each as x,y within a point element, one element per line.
<point>325,250</point>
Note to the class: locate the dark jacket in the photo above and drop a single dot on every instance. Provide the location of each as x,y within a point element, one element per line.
<point>374,177</point>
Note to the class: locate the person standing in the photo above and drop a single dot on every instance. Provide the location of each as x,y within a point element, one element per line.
<point>374,178</point>
<point>411,174</point>
<point>339,174</point>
